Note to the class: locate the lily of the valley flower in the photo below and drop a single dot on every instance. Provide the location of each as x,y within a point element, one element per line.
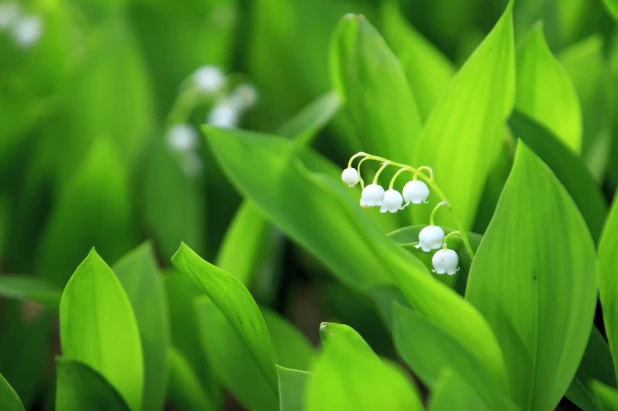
<point>224,114</point>
<point>182,137</point>
<point>27,30</point>
<point>372,196</point>
<point>244,96</point>
<point>209,79</point>
<point>430,238</point>
<point>415,192</point>
<point>350,176</point>
<point>392,202</point>
<point>445,261</point>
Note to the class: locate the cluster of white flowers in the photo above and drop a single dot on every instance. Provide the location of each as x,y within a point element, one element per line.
<point>229,108</point>
<point>25,29</point>
<point>415,192</point>
<point>183,139</point>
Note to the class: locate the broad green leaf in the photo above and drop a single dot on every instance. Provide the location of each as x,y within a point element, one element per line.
<point>139,275</point>
<point>334,331</point>
<point>292,385</point>
<point>181,291</point>
<point>292,348</point>
<point>80,387</point>
<point>93,209</point>
<point>236,304</point>
<point>317,212</point>
<point>545,91</point>
<point>585,64</point>
<point>378,99</point>
<point>384,298</point>
<point>567,166</point>
<point>612,7</point>
<point>8,397</point>
<point>232,359</point>
<point>428,71</point>
<point>98,328</point>
<point>173,202</point>
<point>608,283</point>
<point>452,392</point>
<point>596,365</point>
<point>607,397</point>
<point>30,288</point>
<point>185,390</point>
<point>536,266</point>
<point>346,378</point>
<point>461,139</point>
<point>429,350</point>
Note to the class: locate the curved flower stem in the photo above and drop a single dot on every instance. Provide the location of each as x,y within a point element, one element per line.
<point>384,165</point>
<point>401,170</point>
<point>362,182</point>
<point>421,168</point>
<point>360,153</point>
<point>435,188</point>
<point>433,212</point>
<point>409,244</point>
<point>452,233</point>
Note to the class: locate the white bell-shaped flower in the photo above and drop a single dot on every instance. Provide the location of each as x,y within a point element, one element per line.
<point>224,115</point>
<point>244,96</point>
<point>392,202</point>
<point>182,138</point>
<point>372,196</point>
<point>209,79</point>
<point>350,176</point>
<point>27,30</point>
<point>445,261</point>
<point>415,192</point>
<point>430,238</point>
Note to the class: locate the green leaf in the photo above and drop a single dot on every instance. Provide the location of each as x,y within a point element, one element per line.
<point>98,328</point>
<point>545,91</point>
<point>139,275</point>
<point>567,166</point>
<point>438,351</point>
<point>30,288</point>
<point>452,392</point>
<point>596,364</point>
<point>377,97</point>
<point>345,378</point>
<point>612,7</point>
<point>607,397</point>
<point>93,209</point>
<point>292,385</point>
<point>428,71</point>
<point>236,304</point>
<point>305,125</point>
<point>462,136</point>
<point>8,397</point>
<point>535,267</point>
<point>334,331</point>
<point>79,387</point>
<point>317,212</point>
<point>292,348</point>
<point>608,283</point>
<point>586,65</point>
<point>233,360</point>
<point>185,390</point>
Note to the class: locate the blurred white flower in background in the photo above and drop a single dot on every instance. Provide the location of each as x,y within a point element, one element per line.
<point>244,96</point>
<point>209,79</point>
<point>182,137</point>
<point>27,30</point>
<point>9,13</point>
<point>224,114</point>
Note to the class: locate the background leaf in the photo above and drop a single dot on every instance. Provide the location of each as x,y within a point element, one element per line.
<point>292,385</point>
<point>8,397</point>
<point>139,275</point>
<point>79,387</point>
<point>185,389</point>
<point>29,288</point>
<point>453,392</point>
<point>98,328</point>
<point>545,91</point>
<point>293,349</point>
<point>536,279</point>
<point>461,138</point>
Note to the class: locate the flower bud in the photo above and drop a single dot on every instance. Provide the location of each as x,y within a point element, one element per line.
<point>223,115</point>
<point>445,261</point>
<point>27,30</point>
<point>372,196</point>
<point>350,176</point>
<point>209,79</point>
<point>415,192</point>
<point>182,137</point>
<point>430,238</point>
<point>393,201</point>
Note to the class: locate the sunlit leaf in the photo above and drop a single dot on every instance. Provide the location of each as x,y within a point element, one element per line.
<point>526,279</point>
<point>607,397</point>
<point>545,91</point>
<point>461,139</point>
<point>98,328</point>
<point>292,385</point>
<point>451,392</point>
